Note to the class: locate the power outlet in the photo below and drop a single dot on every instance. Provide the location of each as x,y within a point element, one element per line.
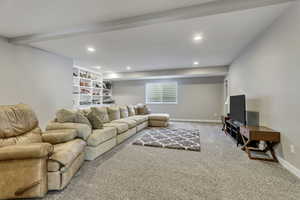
<point>292,148</point>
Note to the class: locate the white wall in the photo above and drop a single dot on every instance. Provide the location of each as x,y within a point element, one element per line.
<point>35,77</point>
<point>198,98</point>
<point>268,73</point>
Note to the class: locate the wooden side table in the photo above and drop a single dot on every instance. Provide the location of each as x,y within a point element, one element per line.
<point>260,133</point>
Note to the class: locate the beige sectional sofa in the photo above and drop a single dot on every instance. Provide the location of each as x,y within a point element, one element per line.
<point>53,157</point>
<point>119,123</point>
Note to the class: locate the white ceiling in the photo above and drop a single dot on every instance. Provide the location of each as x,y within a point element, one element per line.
<point>23,17</point>
<point>166,45</point>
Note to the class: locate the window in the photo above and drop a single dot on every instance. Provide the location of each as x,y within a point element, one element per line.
<point>161,93</point>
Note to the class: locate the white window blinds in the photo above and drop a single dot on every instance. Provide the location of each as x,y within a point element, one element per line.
<point>161,93</point>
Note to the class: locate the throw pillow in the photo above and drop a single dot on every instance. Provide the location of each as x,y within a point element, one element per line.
<point>124,111</point>
<point>102,113</point>
<point>140,108</point>
<point>143,109</point>
<point>95,120</point>
<point>64,115</point>
<point>131,110</point>
<point>114,113</point>
<point>147,110</point>
<point>136,110</point>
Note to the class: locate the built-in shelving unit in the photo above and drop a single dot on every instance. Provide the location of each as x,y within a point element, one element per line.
<point>87,87</point>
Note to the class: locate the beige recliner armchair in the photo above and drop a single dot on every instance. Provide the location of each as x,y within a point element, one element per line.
<point>23,156</point>
<point>29,167</point>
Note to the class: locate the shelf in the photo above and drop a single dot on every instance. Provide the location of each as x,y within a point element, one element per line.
<point>86,79</point>
<point>86,87</point>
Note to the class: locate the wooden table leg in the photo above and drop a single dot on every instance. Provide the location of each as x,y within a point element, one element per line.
<point>245,144</point>
<point>268,148</point>
<point>245,147</point>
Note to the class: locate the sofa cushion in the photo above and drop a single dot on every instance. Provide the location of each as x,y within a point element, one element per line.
<point>95,120</point>
<point>16,120</point>
<point>139,118</point>
<point>102,113</point>
<point>66,153</point>
<point>155,123</point>
<point>129,122</point>
<point>159,117</point>
<point>114,113</point>
<point>33,136</point>
<point>99,136</point>
<point>59,136</point>
<point>121,127</point>
<point>131,110</point>
<point>124,111</point>
<point>83,130</point>
<point>66,115</point>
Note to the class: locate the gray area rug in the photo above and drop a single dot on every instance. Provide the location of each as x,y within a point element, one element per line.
<point>171,138</point>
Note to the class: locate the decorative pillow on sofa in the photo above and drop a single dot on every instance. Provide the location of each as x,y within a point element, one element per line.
<point>65,115</point>
<point>124,111</point>
<point>136,110</point>
<point>102,113</point>
<point>95,120</point>
<point>131,110</point>
<point>143,109</point>
<point>147,110</point>
<point>114,113</point>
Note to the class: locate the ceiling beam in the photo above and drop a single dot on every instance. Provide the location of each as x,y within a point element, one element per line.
<point>169,73</point>
<point>200,10</point>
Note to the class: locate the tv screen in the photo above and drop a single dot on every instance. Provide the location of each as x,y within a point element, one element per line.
<point>238,108</point>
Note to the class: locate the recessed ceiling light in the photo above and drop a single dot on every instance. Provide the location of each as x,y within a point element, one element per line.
<point>97,67</point>
<point>198,38</point>
<point>128,68</point>
<point>196,63</point>
<point>91,49</point>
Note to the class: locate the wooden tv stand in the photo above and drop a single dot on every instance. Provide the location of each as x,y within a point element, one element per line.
<point>259,133</point>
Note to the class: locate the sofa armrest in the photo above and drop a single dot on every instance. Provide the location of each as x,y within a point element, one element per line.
<point>83,130</point>
<point>59,136</point>
<point>25,151</point>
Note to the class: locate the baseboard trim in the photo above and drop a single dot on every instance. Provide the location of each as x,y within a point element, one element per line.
<point>291,168</point>
<point>197,120</point>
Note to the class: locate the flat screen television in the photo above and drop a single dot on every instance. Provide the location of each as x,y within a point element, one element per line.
<point>238,108</point>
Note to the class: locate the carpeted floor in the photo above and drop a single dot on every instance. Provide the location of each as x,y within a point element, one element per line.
<point>221,171</point>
